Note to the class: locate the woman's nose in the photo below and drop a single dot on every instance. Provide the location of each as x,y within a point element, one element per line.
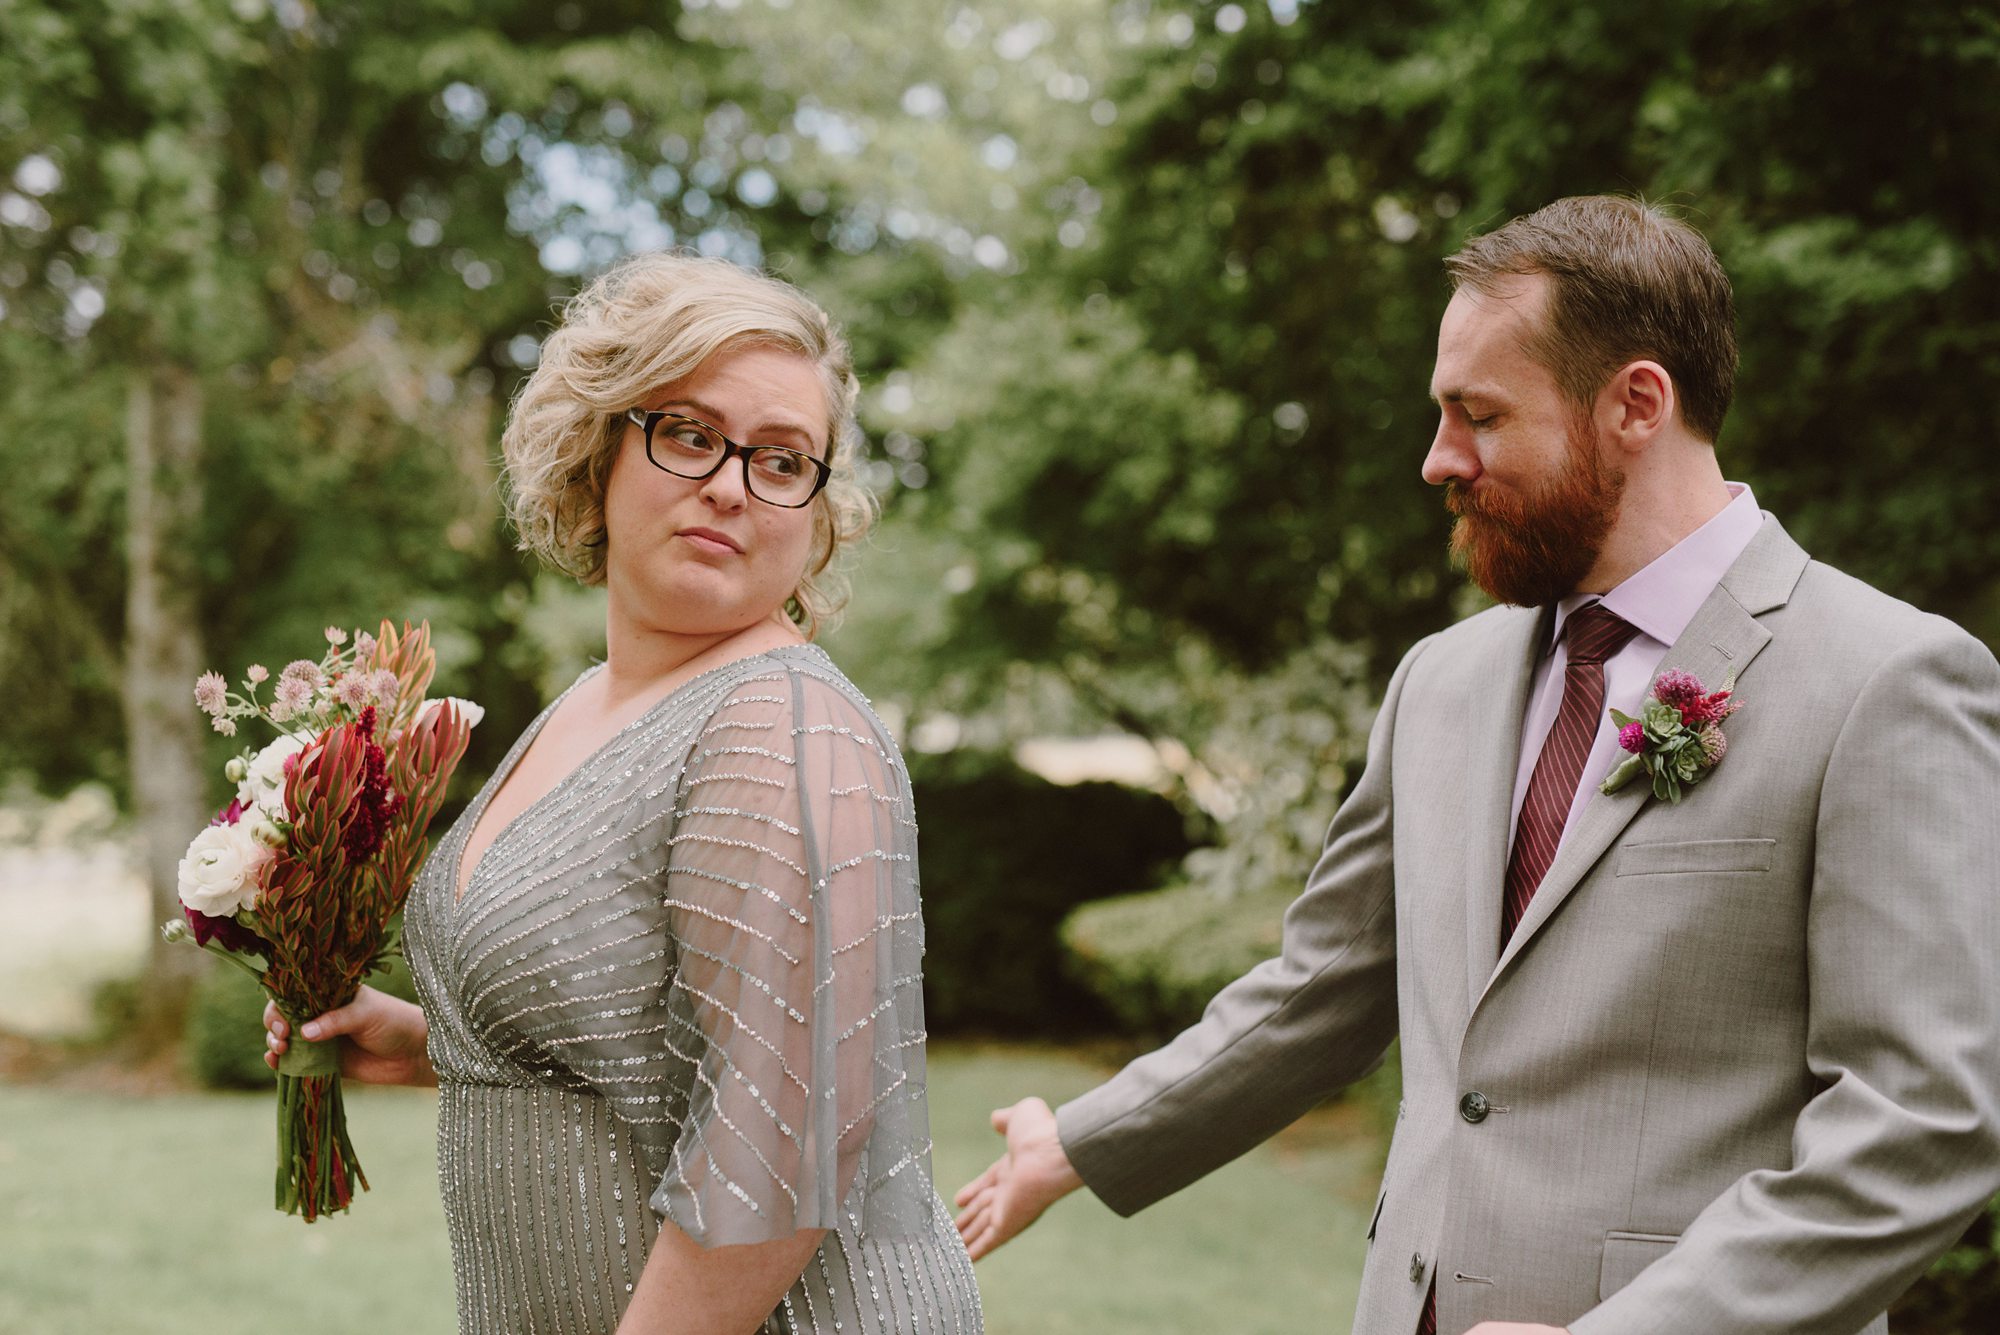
<point>724,488</point>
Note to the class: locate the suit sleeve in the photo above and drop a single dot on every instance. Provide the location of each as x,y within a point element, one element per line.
<point>1287,1035</point>
<point>1898,1150</point>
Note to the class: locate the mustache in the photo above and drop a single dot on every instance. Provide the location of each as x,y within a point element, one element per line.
<point>1463,503</point>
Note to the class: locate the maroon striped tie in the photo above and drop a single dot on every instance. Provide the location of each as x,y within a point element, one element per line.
<point>1593,634</point>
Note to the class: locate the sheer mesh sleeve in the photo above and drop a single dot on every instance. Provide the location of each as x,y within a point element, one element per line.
<point>792,894</point>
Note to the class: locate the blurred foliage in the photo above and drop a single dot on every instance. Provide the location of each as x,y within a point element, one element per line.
<point>1199,410</point>
<point>1005,856</point>
<point>1962,1291</point>
<point>223,1043</point>
<point>1157,958</point>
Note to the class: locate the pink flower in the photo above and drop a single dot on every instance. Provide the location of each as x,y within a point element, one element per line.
<point>294,694</point>
<point>1632,737</point>
<point>1707,709</point>
<point>305,670</point>
<point>364,647</point>
<point>1679,689</point>
<point>352,689</point>
<point>258,674</point>
<point>225,726</point>
<point>384,686</point>
<point>211,693</point>
<point>336,636</point>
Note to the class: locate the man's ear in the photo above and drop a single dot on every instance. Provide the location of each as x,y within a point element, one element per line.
<point>1638,403</point>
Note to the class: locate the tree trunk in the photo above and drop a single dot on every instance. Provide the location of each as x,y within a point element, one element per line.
<point>163,651</point>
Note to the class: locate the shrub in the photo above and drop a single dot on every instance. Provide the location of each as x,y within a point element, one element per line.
<point>1005,855</point>
<point>224,1038</point>
<point>1155,959</point>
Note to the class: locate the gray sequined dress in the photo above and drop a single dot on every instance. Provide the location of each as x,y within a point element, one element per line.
<point>686,984</point>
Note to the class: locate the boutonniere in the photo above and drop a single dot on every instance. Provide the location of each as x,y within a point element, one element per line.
<point>1677,738</point>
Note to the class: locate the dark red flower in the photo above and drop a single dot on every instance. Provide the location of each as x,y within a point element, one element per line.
<point>226,932</point>
<point>376,804</point>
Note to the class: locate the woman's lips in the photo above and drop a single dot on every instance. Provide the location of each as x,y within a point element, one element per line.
<point>708,540</point>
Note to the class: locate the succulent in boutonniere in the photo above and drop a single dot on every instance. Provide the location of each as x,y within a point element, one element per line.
<point>1677,737</point>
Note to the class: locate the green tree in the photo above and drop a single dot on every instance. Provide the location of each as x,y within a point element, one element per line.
<point>269,268</point>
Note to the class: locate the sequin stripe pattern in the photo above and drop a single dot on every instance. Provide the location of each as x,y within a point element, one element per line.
<point>792,887</point>
<point>608,992</point>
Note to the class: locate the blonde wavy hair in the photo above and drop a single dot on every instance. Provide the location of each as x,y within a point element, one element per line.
<point>644,324</point>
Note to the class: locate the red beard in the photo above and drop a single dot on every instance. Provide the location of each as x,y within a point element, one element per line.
<point>1534,549</point>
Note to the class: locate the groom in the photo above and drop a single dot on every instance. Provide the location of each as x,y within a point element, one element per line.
<point>1724,1064</point>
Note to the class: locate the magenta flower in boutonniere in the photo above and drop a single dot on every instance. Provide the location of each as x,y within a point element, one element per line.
<point>1677,738</point>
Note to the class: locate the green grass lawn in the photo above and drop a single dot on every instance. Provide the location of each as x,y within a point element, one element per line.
<point>152,1215</point>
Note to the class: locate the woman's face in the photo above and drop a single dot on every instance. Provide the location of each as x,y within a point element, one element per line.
<point>705,557</point>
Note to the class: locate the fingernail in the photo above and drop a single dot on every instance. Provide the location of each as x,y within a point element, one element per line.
<point>311,1030</point>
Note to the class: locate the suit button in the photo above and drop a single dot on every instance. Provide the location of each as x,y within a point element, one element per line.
<point>1473,1107</point>
<point>1416,1266</point>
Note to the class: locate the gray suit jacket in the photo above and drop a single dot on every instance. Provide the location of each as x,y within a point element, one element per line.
<point>1739,1068</point>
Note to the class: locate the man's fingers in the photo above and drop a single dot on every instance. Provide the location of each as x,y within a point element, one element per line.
<point>977,1208</point>
<point>1002,1116</point>
<point>978,1184</point>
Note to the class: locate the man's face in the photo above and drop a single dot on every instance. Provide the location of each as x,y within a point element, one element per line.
<point>1522,465</point>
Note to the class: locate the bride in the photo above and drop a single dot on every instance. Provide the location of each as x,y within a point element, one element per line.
<point>669,957</point>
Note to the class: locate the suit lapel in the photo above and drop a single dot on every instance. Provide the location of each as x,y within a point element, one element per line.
<point>1724,637</point>
<point>1495,748</point>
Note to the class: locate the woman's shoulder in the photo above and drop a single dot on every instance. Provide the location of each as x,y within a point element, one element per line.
<point>800,678</point>
<point>799,692</point>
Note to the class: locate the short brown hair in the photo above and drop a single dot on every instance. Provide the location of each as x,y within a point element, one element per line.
<point>1627,281</point>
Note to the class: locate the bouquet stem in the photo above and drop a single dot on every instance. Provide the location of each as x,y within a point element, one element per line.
<point>317,1170</point>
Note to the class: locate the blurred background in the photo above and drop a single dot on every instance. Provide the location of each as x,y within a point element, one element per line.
<point>1144,296</point>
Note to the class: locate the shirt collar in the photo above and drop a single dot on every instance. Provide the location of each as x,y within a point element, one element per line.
<point>1664,596</point>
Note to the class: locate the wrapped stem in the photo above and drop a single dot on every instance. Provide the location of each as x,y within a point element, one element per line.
<point>317,1170</point>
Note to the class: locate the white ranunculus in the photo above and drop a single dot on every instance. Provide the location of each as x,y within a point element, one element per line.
<point>264,785</point>
<point>467,710</point>
<point>218,876</point>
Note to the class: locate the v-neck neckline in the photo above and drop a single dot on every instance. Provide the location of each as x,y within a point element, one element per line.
<point>463,878</point>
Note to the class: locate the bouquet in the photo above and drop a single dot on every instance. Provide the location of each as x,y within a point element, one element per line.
<point>299,878</point>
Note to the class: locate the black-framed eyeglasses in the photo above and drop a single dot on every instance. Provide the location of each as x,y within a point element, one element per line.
<point>691,448</point>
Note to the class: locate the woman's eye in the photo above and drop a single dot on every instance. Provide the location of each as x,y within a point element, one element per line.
<point>779,464</point>
<point>691,438</point>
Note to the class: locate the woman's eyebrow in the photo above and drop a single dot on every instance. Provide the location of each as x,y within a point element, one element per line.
<point>710,414</point>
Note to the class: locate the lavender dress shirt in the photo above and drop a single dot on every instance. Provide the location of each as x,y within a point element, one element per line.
<point>1660,600</point>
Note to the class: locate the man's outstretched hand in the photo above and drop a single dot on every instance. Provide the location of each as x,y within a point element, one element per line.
<point>1031,1176</point>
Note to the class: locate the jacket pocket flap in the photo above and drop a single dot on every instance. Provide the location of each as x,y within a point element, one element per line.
<point>1626,1254</point>
<point>1698,855</point>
